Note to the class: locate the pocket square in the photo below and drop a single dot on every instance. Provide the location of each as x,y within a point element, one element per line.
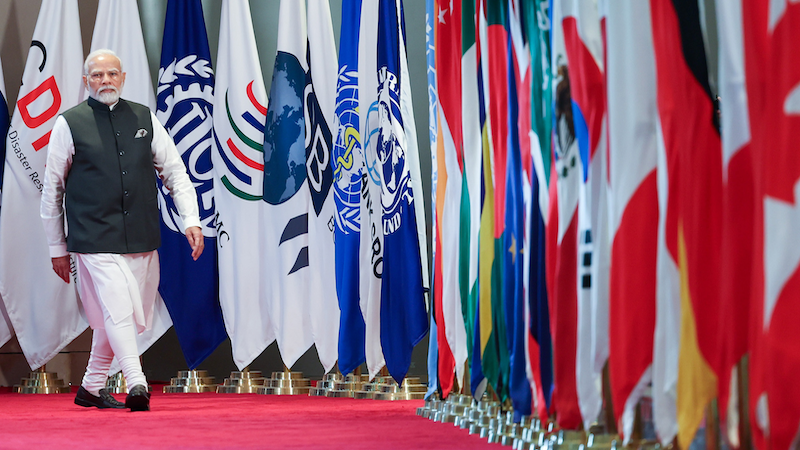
<point>141,133</point>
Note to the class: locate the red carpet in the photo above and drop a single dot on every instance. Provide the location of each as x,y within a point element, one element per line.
<point>219,421</point>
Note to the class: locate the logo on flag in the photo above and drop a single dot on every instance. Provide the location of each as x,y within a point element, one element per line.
<point>185,93</point>
<point>346,175</point>
<point>247,190</point>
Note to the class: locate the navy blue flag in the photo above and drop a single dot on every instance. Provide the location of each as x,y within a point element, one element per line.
<point>404,319</point>
<point>513,289</point>
<point>347,163</point>
<point>185,98</point>
<point>5,122</point>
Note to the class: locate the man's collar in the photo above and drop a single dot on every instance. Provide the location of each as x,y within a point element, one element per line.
<point>96,104</point>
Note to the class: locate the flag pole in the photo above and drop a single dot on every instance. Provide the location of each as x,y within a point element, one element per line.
<point>743,387</point>
<point>712,426</point>
<point>608,405</point>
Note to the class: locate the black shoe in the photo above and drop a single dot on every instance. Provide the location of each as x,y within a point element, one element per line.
<point>138,398</point>
<point>105,400</point>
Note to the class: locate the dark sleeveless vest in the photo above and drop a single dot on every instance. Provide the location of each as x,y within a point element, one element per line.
<point>111,194</point>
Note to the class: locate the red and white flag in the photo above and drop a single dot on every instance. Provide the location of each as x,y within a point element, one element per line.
<point>585,54</point>
<point>772,71</point>
<point>51,84</point>
<point>633,155</point>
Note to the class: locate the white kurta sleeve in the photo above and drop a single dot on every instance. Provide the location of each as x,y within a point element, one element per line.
<point>171,170</point>
<point>60,151</point>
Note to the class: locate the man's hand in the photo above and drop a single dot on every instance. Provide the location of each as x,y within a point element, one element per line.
<point>61,267</point>
<point>195,237</point>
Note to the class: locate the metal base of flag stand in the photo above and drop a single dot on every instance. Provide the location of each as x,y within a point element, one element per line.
<point>285,383</point>
<point>487,419</point>
<point>386,388</point>
<point>191,382</point>
<point>244,382</point>
<point>116,384</point>
<point>41,382</point>
<point>327,383</point>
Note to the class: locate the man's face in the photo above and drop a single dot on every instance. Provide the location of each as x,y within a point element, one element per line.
<point>105,79</point>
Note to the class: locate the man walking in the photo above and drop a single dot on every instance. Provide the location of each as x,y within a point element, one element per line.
<point>101,160</point>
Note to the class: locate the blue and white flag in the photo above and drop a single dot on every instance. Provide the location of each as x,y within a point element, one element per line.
<point>371,241</point>
<point>185,97</point>
<point>430,57</point>
<point>298,186</point>
<point>403,316</point>
<point>6,330</point>
<point>240,99</point>
<point>348,165</point>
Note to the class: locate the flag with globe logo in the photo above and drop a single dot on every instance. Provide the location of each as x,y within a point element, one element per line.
<point>298,180</point>
<point>185,98</point>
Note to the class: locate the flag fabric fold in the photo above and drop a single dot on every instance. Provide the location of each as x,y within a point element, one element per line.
<point>348,164</point>
<point>298,179</point>
<point>6,330</point>
<point>52,81</point>
<point>634,211</point>
<point>184,106</point>
<point>773,99</point>
<point>403,317</point>
<point>238,163</point>
<point>321,110</point>
<point>689,125</point>
<point>449,91</point>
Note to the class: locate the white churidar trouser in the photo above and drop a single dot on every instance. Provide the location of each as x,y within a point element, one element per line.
<point>118,293</point>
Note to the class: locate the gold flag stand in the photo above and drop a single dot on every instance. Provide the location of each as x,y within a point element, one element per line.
<point>41,382</point>
<point>191,382</point>
<point>242,382</point>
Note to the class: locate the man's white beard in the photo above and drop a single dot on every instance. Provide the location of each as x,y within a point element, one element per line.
<point>108,95</point>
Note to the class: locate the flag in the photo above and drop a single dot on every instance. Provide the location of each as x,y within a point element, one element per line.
<point>238,167</point>
<point>6,330</point>
<point>518,201</point>
<point>371,244</point>
<point>323,301</point>
<point>563,226</point>
<point>403,319</point>
<point>298,178</point>
<point>348,170</point>
<point>449,91</point>
<point>584,49</point>
<point>494,351</point>
<point>741,213</point>
<point>430,57</point>
<point>118,28</point>
<point>692,145</point>
<point>634,216</point>
<point>540,373</point>
<point>51,83</point>
<point>470,211</point>
<point>185,101</point>
<point>773,98</point>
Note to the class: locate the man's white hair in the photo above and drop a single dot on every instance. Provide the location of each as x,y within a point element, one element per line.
<point>95,54</point>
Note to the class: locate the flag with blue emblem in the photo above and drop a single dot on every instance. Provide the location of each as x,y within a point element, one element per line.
<point>404,319</point>
<point>348,163</point>
<point>298,179</point>
<point>238,160</point>
<point>185,98</point>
